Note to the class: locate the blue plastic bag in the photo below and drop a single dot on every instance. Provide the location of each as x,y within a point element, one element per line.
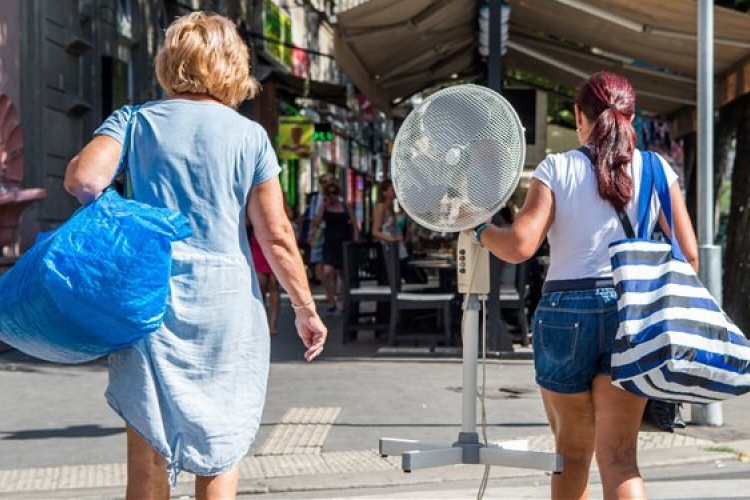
<point>95,285</point>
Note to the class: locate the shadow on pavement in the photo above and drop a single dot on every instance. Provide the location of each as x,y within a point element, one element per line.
<point>73,431</point>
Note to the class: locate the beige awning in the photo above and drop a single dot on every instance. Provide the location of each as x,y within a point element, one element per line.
<point>392,49</point>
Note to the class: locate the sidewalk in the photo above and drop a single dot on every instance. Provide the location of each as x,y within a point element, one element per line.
<point>321,425</point>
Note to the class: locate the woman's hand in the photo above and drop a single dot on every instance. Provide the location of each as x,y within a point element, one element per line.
<point>311,330</point>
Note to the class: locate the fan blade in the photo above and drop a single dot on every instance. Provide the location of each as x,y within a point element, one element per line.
<point>454,119</point>
<point>484,174</point>
<point>424,191</point>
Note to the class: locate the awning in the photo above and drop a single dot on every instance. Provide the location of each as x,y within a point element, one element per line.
<point>392,49</point>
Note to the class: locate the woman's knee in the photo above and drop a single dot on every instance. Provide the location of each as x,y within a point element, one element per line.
<point>576,449</point>
<point>623,458</point>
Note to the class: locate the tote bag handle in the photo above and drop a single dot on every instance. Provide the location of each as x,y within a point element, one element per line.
<point>652,164</point>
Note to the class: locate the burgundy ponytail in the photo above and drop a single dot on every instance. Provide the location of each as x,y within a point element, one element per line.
<point>608,101</point>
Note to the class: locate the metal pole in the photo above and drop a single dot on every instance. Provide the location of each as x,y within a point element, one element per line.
<point>708,253</point>
<point>497,338</point>
<point>494,61</point>
<point>471,345</point>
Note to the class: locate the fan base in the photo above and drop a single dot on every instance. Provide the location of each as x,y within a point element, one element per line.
<point>467,450</point>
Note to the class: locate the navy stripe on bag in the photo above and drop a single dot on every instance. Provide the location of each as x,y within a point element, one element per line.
<point>674,342</point>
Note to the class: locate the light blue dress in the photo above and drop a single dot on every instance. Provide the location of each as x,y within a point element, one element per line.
<point>195,388</point>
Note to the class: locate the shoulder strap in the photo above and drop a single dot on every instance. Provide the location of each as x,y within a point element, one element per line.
<point>648,173</point>
<point>624,219</point>
<point>123,161</point>
<point>662,191</point>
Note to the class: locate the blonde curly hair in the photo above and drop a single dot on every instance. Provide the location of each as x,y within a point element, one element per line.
<point>204,54</point>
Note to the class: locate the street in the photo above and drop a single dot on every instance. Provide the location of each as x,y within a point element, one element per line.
<point>321,426</point>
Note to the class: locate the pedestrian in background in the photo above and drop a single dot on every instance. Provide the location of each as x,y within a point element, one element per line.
<point>340,227</point>
<point>573,202</point>
<point>388,225</point>
<point>313,239</point>
<point>269,285</point>
<point>192,393</point>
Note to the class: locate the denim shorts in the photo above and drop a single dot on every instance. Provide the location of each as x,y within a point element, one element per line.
<point>573,335</point>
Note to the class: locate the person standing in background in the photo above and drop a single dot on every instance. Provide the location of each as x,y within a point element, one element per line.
<point>269,285</point>
<point>313,239</point>
<point>340,227</point>
<point>389,226</point>
<point>192,393</point>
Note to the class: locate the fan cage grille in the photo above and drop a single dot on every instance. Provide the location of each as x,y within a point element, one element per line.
<point>458,158</point>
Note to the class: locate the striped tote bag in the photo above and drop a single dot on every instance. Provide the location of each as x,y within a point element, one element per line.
<point>674,342</point>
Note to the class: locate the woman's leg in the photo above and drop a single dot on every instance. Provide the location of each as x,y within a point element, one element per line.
<point>338,281</point>
<point>263,284</point>
<point>274,303</point>
<point>147,470</point>
<point>618,420</point>
<point>571,417</point>
<point>221,487</point>
<point>329,283</point>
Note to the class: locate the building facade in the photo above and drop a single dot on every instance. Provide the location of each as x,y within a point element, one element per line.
<point>78,60</point>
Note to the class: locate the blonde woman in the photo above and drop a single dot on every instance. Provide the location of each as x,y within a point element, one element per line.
<point>192,393</point>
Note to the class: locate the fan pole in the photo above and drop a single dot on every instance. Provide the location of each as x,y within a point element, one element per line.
<point>470,328</point>
<point>467,449</point>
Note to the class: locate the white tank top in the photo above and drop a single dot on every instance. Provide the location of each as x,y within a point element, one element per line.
<point>584,223</point>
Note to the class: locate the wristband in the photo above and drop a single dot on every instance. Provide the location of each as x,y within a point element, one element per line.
<point>477,233</point>
<point>302,306</point>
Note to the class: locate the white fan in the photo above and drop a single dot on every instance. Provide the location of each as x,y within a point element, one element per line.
<point>456,161</point>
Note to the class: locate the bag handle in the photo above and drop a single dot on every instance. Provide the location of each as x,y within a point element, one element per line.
<point>662,190</point>
<point>644,196</point>
<point>122,162</point>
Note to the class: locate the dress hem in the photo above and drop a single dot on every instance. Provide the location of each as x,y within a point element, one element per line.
<point>211,472</point>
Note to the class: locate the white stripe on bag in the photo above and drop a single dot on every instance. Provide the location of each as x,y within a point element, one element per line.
<point>646,272</point>
<point>715,318</point>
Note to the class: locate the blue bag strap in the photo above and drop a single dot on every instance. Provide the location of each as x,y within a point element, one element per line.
<point>662,190</point>
<point>122,163</point>
<point>644,195</point>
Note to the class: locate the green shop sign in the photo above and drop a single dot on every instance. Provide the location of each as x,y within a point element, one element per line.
<point>277,30</point>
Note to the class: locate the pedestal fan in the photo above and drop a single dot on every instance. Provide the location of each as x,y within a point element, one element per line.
<point>456,161</point>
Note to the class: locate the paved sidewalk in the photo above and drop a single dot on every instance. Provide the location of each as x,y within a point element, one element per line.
<point>321,425</point>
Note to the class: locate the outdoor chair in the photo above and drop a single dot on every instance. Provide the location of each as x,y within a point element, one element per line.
<point>438,305</point>
<point>513,300</point>
<point>364,283</point>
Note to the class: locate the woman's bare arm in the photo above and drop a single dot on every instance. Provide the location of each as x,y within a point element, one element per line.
<point>275,235</point>
<point>683,227</point>
<point>520,241</point>
<point>91,171</point>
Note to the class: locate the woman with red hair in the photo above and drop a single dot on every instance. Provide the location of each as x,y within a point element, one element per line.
<point>573,200</point>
